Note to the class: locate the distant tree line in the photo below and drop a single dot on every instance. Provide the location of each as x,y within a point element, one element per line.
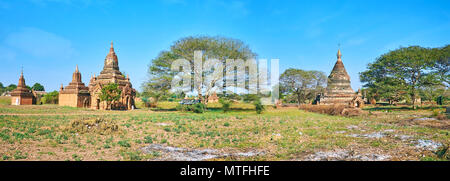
<point>11,87</point>
<point>8,88</point>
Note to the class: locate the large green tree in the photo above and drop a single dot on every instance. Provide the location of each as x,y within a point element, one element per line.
<point>38,87</point>
<point>405,70</point>
<point>160,74</point>
<point>304,85</point>
<point>110,93</point>
<point>11,87</point>
<point>442,63</point>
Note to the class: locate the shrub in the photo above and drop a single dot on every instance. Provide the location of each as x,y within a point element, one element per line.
<point>258,106</point>
<point>196,108</point>
<point>148,139</point>
<point>134,156</point>
<point>199,108</point>
<point>124,143</point>
<point>18,155</point>
<point>183,107</point>
<point>226,104</point>
<point>50,98</point>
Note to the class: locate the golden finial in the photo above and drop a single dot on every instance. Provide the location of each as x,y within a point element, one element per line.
<point>339,55</point>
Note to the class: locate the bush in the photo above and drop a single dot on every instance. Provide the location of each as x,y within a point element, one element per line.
<point>258,106</point>
<point>50,98</point>
<point>199,108</point>
<point>196,108</point>
<point>226,104</point>
<point>148,139</point>
<point>124,143</point>
<point>183,107</point>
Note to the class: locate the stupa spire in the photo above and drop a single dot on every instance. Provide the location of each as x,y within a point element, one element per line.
<point>111,50</point>
<point>111,61</point>
<point>76,77</point>
<point>21,80</point>
<point>339,55</point>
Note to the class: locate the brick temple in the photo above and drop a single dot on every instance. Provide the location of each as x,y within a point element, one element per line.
<point>112,74</point>
<point>22,95</point>
<point>76,94</point>
<point>338,89</point>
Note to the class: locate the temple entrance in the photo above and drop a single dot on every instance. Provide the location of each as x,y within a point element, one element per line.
<point>98,104</point>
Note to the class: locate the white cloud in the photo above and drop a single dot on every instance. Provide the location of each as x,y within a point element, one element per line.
<point>40,44</point>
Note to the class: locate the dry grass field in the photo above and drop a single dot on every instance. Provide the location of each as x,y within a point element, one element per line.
<point>50,132</point>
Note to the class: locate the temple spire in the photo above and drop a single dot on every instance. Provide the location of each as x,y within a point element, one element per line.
<point>111,50</point>
<point>111,61</point>
<point>339,55</point>
<point>21,79</point>
<point>76,77</point>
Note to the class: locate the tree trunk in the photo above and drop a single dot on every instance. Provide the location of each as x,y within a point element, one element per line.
<point>298,99</point>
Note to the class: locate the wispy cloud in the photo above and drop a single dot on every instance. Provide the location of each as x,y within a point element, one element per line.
<point>38,43</point>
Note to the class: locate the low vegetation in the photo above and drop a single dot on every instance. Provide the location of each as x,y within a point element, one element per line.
<point>335,110</point>
<point>48,132</point>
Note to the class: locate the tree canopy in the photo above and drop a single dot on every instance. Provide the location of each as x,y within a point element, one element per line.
<point>38,87</point>
<point>404,71</point>
<point>303,85</point>
<point>160,74</point>
<point>110,93</point>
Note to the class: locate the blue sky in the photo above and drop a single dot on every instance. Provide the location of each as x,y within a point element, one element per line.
<point>50,37</point>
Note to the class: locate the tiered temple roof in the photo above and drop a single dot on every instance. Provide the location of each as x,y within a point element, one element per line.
<point>110,72</point>
<point>338,89</point>
<point>76,86</point>
<point>22,89</point>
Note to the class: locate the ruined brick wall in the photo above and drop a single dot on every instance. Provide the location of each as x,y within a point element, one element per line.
<point>68,100</point>
<point>17,100</point>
